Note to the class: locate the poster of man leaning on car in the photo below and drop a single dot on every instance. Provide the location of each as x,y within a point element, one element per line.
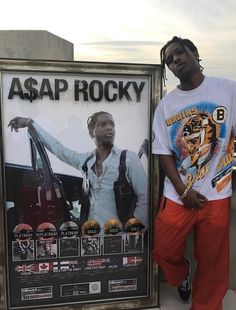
<point>76,149</point>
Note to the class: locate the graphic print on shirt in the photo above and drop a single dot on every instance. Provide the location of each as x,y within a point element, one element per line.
<point>224,167</point>
<point>196,134</point>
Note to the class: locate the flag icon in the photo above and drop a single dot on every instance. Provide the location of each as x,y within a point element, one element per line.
<point>98,262</point>
<point>132,260</point>
<point>61,266</point>
<point>25,268</point>
<point>44,267</point>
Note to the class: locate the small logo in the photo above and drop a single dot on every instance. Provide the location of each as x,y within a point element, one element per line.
<point>112,227</point>
<point>219,115</point>
<point>91,228</point>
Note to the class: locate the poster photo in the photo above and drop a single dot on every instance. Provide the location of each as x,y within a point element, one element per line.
<point>76,149</point>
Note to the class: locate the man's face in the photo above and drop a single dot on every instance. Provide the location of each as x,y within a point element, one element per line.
<point>104,130</point>
<point>183,63</point>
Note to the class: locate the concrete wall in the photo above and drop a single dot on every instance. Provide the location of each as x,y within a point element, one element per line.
<point>34,44</point>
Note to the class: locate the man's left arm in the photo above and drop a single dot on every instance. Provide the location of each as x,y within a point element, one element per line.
<point>137,176</point>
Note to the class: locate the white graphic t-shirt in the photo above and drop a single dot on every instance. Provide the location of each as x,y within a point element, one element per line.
<point>198,128</point>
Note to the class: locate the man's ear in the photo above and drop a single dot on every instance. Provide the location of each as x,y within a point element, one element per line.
<point>92,133</point>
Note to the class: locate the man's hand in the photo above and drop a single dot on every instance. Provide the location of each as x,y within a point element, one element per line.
<point>19,122</point>
<point>194,200</point>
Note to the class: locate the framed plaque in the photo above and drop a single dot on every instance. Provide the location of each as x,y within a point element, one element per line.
<point>77,190</point>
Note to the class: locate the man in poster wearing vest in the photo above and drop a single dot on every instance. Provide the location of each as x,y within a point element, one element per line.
<point>102,167</point>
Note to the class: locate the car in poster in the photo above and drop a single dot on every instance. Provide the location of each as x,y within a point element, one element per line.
<point>35,194</point>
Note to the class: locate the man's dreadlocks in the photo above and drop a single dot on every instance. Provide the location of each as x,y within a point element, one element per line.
<point>183,43</point>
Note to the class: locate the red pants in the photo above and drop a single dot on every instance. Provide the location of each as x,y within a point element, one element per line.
<point>211,248</point>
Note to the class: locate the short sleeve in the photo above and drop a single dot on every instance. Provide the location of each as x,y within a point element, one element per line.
<point>160,141</point>
<point>233,100</point>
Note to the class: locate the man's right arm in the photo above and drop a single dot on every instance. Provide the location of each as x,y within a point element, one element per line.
<point>192,199</point>
<point>65,154</point>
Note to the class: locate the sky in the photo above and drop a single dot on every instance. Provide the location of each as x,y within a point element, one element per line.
<point>133,31</point>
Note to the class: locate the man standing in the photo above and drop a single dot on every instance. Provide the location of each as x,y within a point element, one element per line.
<point>194,137</point>
<point>102,167</point>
